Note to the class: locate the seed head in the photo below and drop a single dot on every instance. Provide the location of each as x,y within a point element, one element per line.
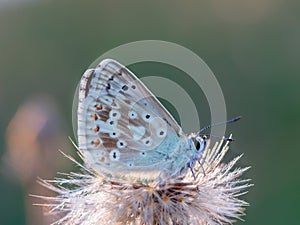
<point>212,198</point>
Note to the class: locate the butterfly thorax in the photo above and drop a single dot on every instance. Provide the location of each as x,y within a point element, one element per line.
<point>177,164</point>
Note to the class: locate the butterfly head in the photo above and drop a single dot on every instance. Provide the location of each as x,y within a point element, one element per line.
<point>198,143</point>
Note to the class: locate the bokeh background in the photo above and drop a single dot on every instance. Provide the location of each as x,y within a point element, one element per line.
<point>253,48</point>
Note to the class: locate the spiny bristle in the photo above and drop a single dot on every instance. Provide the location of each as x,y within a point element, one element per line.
<point>210,199</point>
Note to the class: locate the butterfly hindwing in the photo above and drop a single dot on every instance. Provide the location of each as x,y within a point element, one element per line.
<point>121,125</point>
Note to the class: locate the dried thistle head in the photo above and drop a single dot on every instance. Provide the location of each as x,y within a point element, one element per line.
<point>211,198</point>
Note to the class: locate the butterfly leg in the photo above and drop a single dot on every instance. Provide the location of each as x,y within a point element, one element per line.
<point>201,164</point>
<point>202,169</point>
<point>192,162</point>
<point>191,166</point>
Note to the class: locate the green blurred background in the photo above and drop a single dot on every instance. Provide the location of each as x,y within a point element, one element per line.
<point>253,48</point>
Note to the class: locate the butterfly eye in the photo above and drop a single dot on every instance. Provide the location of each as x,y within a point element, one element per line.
<point>200,144</point>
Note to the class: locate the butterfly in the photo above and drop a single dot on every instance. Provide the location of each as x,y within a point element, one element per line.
<point>123,129</point>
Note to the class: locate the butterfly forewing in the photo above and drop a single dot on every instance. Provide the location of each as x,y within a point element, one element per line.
<point>121,125</point>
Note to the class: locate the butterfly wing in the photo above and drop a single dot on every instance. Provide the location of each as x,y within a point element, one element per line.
<point>121,125</point>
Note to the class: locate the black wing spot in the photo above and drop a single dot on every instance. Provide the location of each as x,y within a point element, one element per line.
<point>167,121</point>
<point>125,88</point>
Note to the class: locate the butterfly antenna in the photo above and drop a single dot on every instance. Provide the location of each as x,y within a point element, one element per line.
<point>218,124</point>
<point>223,138</point>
